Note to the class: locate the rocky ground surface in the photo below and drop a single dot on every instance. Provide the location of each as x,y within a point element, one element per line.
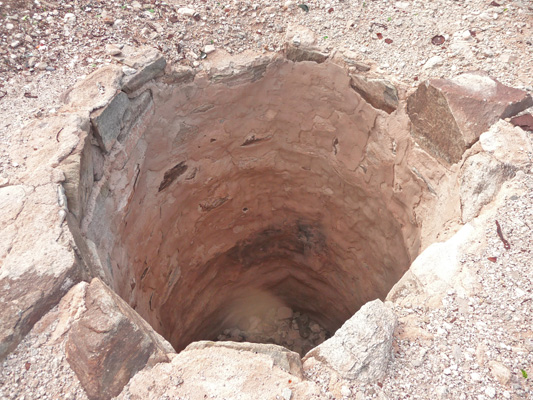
<point>471,348</point>
<point>477,347</point>
<point>45,46</point>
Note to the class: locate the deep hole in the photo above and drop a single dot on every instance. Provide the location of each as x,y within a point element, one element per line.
<point>277,233</point>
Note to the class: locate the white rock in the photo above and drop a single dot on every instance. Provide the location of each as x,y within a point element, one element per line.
<point>286,394</point>
<point>361,349</point>
<point>128,70</point>
<point>188,12</point>
<point>209,49</point>
<point>41,65</point>
<point>500,372</point>
<point>481,180</point>
<point>69,18</point>
<point>433,62</point>
<point>9,26</point>
<point>345,391</point>
<point>490,391</point>
<point>466,35</point>
<point>476,377</point>
<point>507,143</point>
<point>112,50</point>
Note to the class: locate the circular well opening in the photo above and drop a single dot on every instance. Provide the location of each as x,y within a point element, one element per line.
<point>261,209</point>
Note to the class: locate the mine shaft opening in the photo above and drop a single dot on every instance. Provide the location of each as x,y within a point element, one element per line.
<point>262,207</point>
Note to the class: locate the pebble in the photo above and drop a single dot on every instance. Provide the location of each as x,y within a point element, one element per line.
<point>433,62</point>
<point>112,50</point>
<point>209,49</point>
<point>41,66</point>
<point>345,391</point>
<point>490,391</point>
<point>128,70</point>
<point>70,18</point>
<point>188,12</point>
<point>286,394</point>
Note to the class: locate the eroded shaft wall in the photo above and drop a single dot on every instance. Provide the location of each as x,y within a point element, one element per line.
<point>289,185</point>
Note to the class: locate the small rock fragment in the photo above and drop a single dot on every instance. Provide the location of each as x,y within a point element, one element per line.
<point>209,49</point>
<point>433,62</point>
<point>112,50</point>
<point>286,394</point>
<point>69,18</point>
<point>345,391</point>
<point>500,372</point>
<point>188,12</point>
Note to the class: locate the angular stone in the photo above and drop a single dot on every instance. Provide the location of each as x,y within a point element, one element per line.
<point>221,371</point>
<point>283,358</point>
<point>298,35</point>
<point>298,54</point>
<point>481,181</point>
<point>500,372</point>
<point>96,90</point>
<point>508,144</point>
<point>234,71</point>
<point>178,74</point>
<point>107,121</point>
<point>361,349</point>
<point>523,121</point>
<point>435,270</point>
<point>38,265</point>
<point>300,45</point>
<point>110,342</point>
<point>449,115</point>
<point>149,64</point>
<point>380,93</point>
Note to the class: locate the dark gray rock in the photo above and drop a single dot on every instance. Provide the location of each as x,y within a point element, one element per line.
<point>107,121</point>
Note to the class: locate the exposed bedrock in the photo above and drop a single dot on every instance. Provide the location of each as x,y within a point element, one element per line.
<point>274,185</point>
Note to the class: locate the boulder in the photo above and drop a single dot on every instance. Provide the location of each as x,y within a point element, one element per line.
<point>361,349</point>
<point>222,370</point>
<point>438,269</point>
<point>481,180</point>
<point>37,263</point>
<point>448,116</point>
<point>110,342</point>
